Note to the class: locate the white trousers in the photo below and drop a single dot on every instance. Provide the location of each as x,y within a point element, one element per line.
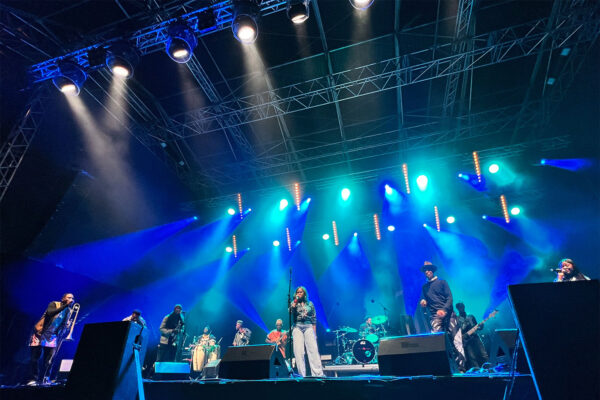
<point>304,337</point>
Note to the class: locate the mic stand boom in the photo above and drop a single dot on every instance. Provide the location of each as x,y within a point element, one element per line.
<point>290,339</point>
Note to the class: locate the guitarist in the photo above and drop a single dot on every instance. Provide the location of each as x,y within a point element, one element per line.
<point>170,329</point>
<point>474,349</point>
<point>278,336</point>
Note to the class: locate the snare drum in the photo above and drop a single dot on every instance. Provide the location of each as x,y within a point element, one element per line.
<point>372,337</point>
<point>363,351</point>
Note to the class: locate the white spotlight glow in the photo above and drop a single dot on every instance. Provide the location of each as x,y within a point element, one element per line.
<point>422,182</point>
<point>326,236</point>
<point>515,211</point>
<point>69,89</point>
<point>283,204</point>
<point>120,71</point>
<point>355,234</point>
<point>493,168</point>
<point>231,211</point>
<point>361,4</point>
<point>391,228</point>
<point>181,53</point>
<point>388,190</point>
<point>228,249</point>
<point>246,34</point>
<point>451,220</point>
<point>276,243</point>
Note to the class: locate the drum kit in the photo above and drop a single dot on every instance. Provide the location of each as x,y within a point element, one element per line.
<point>354,347</point>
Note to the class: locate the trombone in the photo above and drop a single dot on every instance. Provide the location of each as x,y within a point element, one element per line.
<point>71,321</point>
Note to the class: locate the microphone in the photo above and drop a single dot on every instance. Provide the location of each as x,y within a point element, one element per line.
<point>557,270</point>
<point>296,299</point>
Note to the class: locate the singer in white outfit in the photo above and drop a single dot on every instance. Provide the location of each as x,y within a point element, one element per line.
<point>304,333</point>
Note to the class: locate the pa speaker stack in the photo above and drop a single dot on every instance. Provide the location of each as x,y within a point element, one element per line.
<point>253,362</point>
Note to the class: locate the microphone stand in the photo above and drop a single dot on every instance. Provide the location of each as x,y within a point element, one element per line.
<point>290,339</point>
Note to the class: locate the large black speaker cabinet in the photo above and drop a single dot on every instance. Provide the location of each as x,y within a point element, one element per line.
<point>253,362</point>
<point>559,326</point>
<point>414,355</point>
<point>104,364</point>
<point>502,350</point>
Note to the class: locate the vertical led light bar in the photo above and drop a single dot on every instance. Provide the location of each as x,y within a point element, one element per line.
<point>405,172</point>
<point>477,166</point>
<point>297,195</point>
<point>336,240</point>
<point>504,208</point>
<point>376,225</point>
<point>289,239</point>
<point>239,200</point>
<point>437,218</point>
<point>234,239</point>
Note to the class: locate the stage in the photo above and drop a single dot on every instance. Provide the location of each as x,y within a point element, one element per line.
<point>460,387</point>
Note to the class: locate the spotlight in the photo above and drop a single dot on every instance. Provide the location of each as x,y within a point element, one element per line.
<point>424,225</point>
<point>391,228</point>
<point>181,42</point>
<point>484,216</point>
<point>245,16</point>
<point>355,234</point>
<point>388,190</point>
<point>326,236</point>
<point>121,59</point>
<point>543,161</point>
<point>230,211</point>
<point>283,204</point>
<point>276,243</point>
<point>422,182</point>
<point>451,220</point>
<point>228,249</point>
<point>361,4</point>
<point>515,211</point>
<point>71,78</point>
<point>298,11</point>
<point>195,218</point>
<point>493,168</point>
<point>345,194</point>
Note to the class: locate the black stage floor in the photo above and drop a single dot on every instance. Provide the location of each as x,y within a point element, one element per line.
<point>459,387</point>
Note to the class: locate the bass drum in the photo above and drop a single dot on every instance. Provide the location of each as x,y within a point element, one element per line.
<point>363,351</point>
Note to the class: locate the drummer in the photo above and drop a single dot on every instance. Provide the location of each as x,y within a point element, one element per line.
<point>206,350</point>
<point>367,328</point>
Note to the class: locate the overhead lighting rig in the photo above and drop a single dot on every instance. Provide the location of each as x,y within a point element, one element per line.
<point>71,78</point>
<point>245,20</point>
<point>181,42</point>
<point>298,11</point>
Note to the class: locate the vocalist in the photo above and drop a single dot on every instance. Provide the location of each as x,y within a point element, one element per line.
<point>304,333</point>
<point>44,338</point>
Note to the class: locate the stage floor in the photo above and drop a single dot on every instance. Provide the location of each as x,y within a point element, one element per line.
<point>459,387</point>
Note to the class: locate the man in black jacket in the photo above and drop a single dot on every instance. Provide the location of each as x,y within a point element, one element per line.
<point>474,349</point>
<point>44,339</point>
<point>437,297</point>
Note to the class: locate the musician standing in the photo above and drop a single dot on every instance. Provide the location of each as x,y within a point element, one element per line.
<point>474,350</point>
<point>136,316</point>
<point>171,327</point>
<point>437,297</point>
<point>45,337</point>
<point>278,336</point>
<point>242,335</point>
<point>304,333</point>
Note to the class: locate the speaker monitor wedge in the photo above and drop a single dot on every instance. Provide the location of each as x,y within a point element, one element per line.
<point>414,355</point>
<point>253,362</point>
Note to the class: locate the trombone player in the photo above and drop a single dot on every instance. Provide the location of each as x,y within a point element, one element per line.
<point>45,337</point>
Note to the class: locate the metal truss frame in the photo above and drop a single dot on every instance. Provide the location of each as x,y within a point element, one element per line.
<point>151,39</point>
<point>490,48</point>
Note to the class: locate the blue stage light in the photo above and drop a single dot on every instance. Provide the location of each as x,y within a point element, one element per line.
<point>388,190</point>
<point>515,211</point>
<point>228,249</point>
<point>450,219</point>
<point>391,228</point>
<point>230,211</point>
<point>422,182</point>
<point>283,204</point>
<point>493,168</point>
<point>424,225</point>
<point>71,78</point>
<point>355,234</point>
<point>345,194</point>
<point>543,161</point>
<point>276,243</point>
<point>326,236</point>
<point>195,218</point>
<point>181,42</point>
<point>484,216</point>
<point>327,330</point>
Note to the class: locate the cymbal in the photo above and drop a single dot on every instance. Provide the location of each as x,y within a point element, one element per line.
<point>348,329</point>
<point>379,319</point>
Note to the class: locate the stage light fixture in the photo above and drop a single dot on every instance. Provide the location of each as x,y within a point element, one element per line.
<point>121,59</point>
<point>230,211</point>
<point>406,181</point>
<point>276,243</point>
<point>283,203</point>
<point>515,211</point>
<point>245,17</point>
<point>484,216</point>
<point>493,168</point>
<point>326,236</point>
<point>345,194</point>
<point>391,228</point>
<point>355,234</point>
<point>229,249</point>
<point>451,220</point>
<point>361,4</point>
<point>422,182</point>
<point>71,78</point>
<point>388,190</point>
<point>298,10</point>
<point>181,42</point>
<point>376,226</point>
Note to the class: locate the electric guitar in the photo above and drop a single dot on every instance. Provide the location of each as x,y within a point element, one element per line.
<point>474,329</point>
